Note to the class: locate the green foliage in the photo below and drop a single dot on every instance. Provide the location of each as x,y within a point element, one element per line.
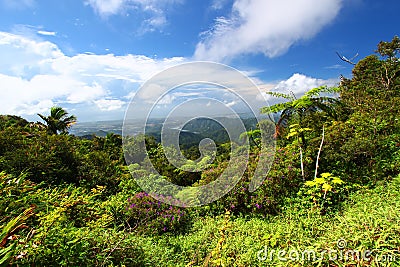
<point>324,192</point>
<point>283,180</point>
<point>8,232</point>
<point>296,109</point>
<point>254,136</point>
<point>74,228</point>
<point>55,159</point>
<point>70,246</point>
<point>216,257</point>
<point>389,49</point>
<point>44,157</point>
<point>12,121</point>
<point>363,146</point>
<point>295,131</point>
<point>14,194</point>
<point>368,220</point>
<point>96,168</point>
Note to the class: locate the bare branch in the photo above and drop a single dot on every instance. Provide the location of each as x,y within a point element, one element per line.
<point>345,59</point>
<point>319,151</point>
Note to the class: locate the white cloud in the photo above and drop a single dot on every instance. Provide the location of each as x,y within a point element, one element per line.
<point>156,22</point>
<point>22,96</point>
<point>18,50</point>
<point>298,84</point>
<point>34,75</point>
<point>107,7</point>
<point>109,104</point>
<point>47,33</point>
<point>265,26</point>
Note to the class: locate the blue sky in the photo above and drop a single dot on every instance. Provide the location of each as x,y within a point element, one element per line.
<point>91,56</point>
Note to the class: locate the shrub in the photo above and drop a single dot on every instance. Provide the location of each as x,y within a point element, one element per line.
<point>324,192</point>
<point>71,246</point>
<point>283,180</point>
<point>152,216</point>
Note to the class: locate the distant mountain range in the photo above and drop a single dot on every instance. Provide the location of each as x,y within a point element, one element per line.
<point>192,132</point>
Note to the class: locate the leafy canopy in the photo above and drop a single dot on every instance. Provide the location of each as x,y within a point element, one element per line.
<point>310,102</point>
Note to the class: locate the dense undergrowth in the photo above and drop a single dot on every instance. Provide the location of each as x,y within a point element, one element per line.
<point>68,201</point>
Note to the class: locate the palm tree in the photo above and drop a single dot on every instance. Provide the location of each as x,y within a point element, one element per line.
<point>58,121</point>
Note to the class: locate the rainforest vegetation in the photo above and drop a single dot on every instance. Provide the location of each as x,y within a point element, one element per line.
<point>71,201</point>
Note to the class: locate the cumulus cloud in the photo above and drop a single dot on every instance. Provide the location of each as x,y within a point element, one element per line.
<point>265,26</point>
<point>34,75</point>
<point>298,84</point>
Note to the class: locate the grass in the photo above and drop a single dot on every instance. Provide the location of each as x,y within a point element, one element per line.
<point>369,223</point>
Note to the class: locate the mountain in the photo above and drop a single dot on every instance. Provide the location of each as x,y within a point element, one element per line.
<point>190,134</point>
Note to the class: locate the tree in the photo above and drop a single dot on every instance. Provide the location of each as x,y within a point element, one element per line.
<point>389,49</point>
<point>365,147</point>
<point>58,121</point>
<point>297,108</point>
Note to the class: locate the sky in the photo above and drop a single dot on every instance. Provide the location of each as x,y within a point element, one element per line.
<point>92,56</point>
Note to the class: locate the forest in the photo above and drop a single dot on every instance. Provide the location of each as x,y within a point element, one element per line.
<point>333,188</point>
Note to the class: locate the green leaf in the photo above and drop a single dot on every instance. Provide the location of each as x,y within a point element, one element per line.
<point>326,187</point>
<point>326,175</point>
<point>310,183</point>
<point>291,134</point>
<point>337,180</point>
<point>6,254</point>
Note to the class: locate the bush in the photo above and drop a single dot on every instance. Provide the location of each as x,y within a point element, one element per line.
<point>324,192</point>
<point>48,158</point>
<point>152,216</point>
<point>283,180</point>
<point>71,246</point>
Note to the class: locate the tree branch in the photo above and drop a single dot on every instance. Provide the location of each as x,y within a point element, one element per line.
<point>319,151</point>
<point>345,59</point>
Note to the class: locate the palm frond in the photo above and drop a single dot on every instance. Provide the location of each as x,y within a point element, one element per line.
<point>276,108</point>
<point>280,95</point>
<point>322,90</point>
